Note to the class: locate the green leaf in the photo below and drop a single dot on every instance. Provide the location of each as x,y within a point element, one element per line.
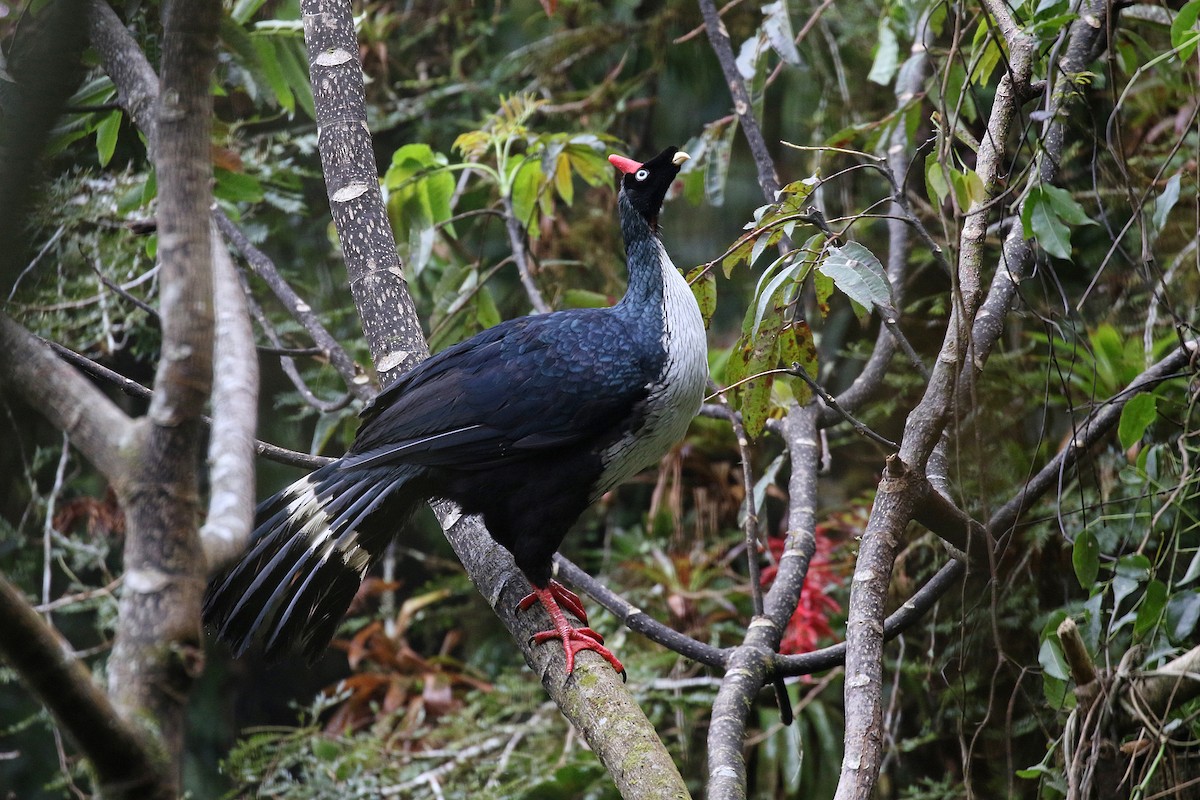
<point>1151,609</point>
<point>887,55</point>
<point>985,53</point>
<point>294,64</point>
<point>1136,416</point>
<point>1040,221</point>
<point>272,72</point>
<point>936,185</point>
<point>106,136</point>
<point>858,274</point>
<point>1165,202</point>
<point>1051,657</point>
<point>1183,612</point>
<point>797,347</point>
<point>823,285</point>
<point>1067,208</point>
<point>968,188</point>
<point>236,187</point>
<point>704,287</point>
<point>1085,558</point>
<point>526,183</point>
<point>1184,35</point>
<point>486,313</point>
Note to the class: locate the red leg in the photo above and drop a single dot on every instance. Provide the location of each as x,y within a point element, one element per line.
<point>563,595</point>
<point>573,639</point>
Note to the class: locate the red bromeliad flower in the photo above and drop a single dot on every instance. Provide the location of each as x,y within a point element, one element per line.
<point>810,621</point>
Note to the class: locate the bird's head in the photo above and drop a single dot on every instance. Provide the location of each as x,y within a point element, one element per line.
<point>646,184</point>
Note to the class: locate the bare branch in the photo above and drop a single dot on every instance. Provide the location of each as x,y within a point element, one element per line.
<point>638,620</point>
<point>132,388</point>
<point>95,425</point>
<point>749,664</point>
<point>124,62</point>
<point>356,381</point>
<point>231,499</point>
<point>516,241</point>
<point>157,653</point>
<point>122,758</point>
<point>718,37</point>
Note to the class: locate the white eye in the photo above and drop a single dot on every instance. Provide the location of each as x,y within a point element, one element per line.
<point>641,174</point>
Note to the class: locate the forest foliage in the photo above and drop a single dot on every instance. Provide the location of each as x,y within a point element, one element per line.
<point>491,124</point>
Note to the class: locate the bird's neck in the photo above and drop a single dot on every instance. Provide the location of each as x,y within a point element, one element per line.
<point>648,263</point>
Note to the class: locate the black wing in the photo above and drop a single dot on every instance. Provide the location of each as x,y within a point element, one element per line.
<point>532,383</point>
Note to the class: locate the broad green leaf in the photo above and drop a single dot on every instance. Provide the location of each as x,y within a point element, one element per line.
<point>968,188</point>
<point>272,72</point>
<point>1165,202</point>
<point>236,187</point>
<point>887,55</point>
<point>775,293</point>
<point>1183,612</point>
<point>704,287</point>
<point>936,185</point>
<point>586,154</point>
<point>1067,208</point>
<point>858,274</point>
<point>797,347</point>
<point>294,64</point>
<point>985,53</point>
<point>526,185</point>
<point>1151,609</point>
<point>486,313</point>
<point>1184,35</point>
<point>1085,558</point>
<point>1051,657</point>
<point>1136,416</point>
<point>823,285</point>
<point>1040,221</point>
<point>106,136</point>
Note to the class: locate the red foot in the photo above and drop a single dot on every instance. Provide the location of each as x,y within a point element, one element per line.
<point>573,639</point>
<point>563,595</point>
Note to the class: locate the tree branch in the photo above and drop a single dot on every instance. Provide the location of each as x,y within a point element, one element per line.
<point>94,424</point>
<point>718,37</point>
<point>157,653</point>
<point>121,757</point>
<point>231,499</point>
<point>376,275</point>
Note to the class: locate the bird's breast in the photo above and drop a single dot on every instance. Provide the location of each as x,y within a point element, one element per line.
<point>673,395</point>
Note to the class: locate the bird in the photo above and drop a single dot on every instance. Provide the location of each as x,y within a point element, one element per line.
<point>526,423</point>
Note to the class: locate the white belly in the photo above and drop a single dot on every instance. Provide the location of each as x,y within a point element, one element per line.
<point>674,399</point>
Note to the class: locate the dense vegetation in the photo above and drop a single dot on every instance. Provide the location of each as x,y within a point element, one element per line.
<point>886,213</point>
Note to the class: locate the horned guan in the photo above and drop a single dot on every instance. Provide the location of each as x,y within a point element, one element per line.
<point>526,423</point>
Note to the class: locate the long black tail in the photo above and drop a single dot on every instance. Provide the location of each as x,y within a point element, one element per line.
<point>314,542</point>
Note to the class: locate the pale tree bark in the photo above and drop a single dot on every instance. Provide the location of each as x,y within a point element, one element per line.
<point>158,651</point>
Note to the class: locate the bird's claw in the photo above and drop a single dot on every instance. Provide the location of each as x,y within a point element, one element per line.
<point>563,595</point>
<point>575,640</point>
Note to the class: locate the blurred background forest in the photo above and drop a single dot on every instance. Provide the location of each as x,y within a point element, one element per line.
<point>486,112</point>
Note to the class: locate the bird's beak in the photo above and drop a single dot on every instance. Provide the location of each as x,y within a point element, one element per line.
<point>679,158</point>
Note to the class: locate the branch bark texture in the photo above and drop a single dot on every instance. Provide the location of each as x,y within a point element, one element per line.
<point>157,653</point>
